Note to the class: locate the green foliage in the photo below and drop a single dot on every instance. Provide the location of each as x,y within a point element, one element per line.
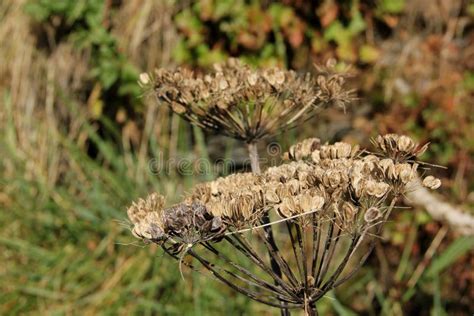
<point>83,22</point>
<point>458,248</point>
<point>276,33</point>
<point>65,245</point>
<point>391,6</point>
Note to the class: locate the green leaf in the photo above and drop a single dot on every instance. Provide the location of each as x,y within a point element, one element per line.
<point>357,23</point>
<point>38,11</point>
<point>392,6</point>
<point>341,309</point>
<point>77,11</point>
<point>456,250</point>
<point>368,53</point>
<point>335,32</point>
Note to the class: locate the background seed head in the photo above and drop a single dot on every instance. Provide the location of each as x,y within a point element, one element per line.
<point>245,103</point>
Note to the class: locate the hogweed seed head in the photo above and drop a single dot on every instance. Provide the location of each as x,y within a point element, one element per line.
<point>244,103</point>
<point>138,211</point>
<point>399,148</point>
<point>331,197</point>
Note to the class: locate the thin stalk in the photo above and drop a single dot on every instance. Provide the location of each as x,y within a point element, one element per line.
<point>295,253</point>
<point>309,309</point>
<point>301,244</point>
<point>255,164</point>
<point>332,248</point>
<point>254,158</point>
<point>329,284</point>
<point>237,288</point>
<point>280,261</point>
<point>258,282</point>
<point>316,242</point>
<point>245,249</point>
<point>371,246</point>
<point>327,244</point>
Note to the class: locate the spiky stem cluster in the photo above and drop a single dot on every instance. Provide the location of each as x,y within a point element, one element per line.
<point>331,199</point>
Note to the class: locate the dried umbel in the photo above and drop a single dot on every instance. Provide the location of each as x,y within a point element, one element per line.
<point>399,147</point>
<point>183,224</point>
<point>333,207</point>
<point>302,149</point>
<point>244,103</point>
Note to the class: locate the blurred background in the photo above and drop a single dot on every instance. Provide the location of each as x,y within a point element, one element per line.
<point>78,143</point>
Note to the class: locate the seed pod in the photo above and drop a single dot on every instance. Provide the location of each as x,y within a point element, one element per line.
<point>150,228</point>
<point>317,202</point>
<point>293,186</point>
<point>315,156</point>
<point>404,172</point>
<point>244,206</point>
<point>343,150</point>
<point>332,179</point>
<point>348,212</point>
<point>252,79</point>
<point>215,208</point>
<point>223,84</point>
<point>279,77</point>
<point>431,182</point>
<point>144,79</point>
<point>369,162</point>
<point>405,143</point>
<point>178,108</point>
<point>388,168</point>
<point>372,214</point>
<point>271,197</point>
<point>288,207</point>
<point>359,187</point>
<point>377,189</point>
<point>302,149</point>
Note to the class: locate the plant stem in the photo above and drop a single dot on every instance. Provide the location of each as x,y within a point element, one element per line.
<point>255,164</point>
<point>253,155</point>
<point>310,309</point>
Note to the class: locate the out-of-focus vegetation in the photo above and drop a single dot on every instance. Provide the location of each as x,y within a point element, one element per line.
<point>76,139</point>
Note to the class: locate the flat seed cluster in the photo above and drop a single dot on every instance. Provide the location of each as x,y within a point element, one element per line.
<point>184,223</point>
<point>238,199</point>
<point>337,182</point>
<point>399,147</point>
<point>244,103</point>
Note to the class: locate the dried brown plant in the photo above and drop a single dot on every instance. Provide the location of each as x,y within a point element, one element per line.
<point>333,200</point>
<point>247,104</point>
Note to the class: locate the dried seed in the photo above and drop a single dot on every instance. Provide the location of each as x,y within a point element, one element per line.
<point>431,182</point>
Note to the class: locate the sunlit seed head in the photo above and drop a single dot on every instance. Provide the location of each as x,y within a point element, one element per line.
<point>431,182</point>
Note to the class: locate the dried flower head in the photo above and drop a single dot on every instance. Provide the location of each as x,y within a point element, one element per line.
<point>244,103</point>
<point>138,211</point>
<point>185,222</point>
<point>399,147</point>
<point>332,198</point>
<point>302,150</point>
